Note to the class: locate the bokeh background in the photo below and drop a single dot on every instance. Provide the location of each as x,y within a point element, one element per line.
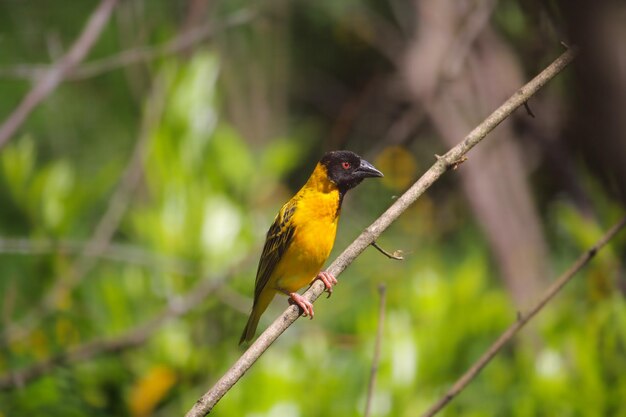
<point>135,199</point>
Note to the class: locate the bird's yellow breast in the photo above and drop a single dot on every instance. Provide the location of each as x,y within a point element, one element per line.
<point>316,217</point>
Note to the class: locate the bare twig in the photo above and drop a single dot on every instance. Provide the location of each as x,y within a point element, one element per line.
<point>522,319</point>
<point>382,290</point>
<point>528,110</point>
<point>108,224</point>
<point>397,254</point>
<point>59,71</point>
<point>206,403</point>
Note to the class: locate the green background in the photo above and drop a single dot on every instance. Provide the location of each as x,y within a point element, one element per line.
<point>226,131</point>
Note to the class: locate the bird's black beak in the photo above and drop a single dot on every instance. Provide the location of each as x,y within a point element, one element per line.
<point>366,170</point>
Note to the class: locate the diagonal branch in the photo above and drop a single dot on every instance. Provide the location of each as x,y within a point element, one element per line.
<point>206,403</point>
<point>553,290</point>
<point>48,83</point>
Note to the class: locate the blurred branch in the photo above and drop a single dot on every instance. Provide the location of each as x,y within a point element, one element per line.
<point>115,252</point>
<point>476,21</point>
<point>55,75</point>
<point>522,319</point>
<point>104,231</point>
<point>206,403</point>
<point>382,291</point>
<point>142,54</point>
<point>131,338</point>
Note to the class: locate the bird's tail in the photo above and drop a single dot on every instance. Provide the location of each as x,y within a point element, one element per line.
<point>258,308</point>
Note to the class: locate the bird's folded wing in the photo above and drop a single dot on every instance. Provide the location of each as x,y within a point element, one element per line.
<point>278,239</point>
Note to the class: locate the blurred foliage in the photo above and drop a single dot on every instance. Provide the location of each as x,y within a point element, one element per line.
<point>206,198</point>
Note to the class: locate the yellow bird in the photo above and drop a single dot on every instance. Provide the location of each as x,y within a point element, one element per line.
<point>303,233</point>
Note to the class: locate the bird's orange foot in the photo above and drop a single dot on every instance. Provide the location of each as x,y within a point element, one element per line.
<point>303,303</point>
<point>329,280</point>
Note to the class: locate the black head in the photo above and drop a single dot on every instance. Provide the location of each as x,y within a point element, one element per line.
<point>346,169</point>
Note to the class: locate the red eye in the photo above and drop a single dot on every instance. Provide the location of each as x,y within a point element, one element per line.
<point>345,165</point>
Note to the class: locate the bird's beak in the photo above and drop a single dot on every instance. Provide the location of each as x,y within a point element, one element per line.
<point>366,170</point>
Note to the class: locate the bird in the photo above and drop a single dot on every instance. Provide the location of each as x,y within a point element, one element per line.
<point>303,233</point>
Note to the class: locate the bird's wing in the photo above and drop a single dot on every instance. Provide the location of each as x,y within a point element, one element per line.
<point>278,239</point>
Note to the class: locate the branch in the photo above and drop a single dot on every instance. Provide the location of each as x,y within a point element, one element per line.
<point>52,78</point>
<point>206,403</point>
<point>553,290</point>
<point>382,290</point>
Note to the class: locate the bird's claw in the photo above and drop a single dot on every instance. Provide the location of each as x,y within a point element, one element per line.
<point>303,303</point>
<point>329,281</point>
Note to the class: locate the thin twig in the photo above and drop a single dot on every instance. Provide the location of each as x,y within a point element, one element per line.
<point>206,403</point>
<point>106,227</point>
<point>522,319</point>
<point>59,71</point>
<point>528,110</point>
<point>397,254</point>
<point>382,291</point>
